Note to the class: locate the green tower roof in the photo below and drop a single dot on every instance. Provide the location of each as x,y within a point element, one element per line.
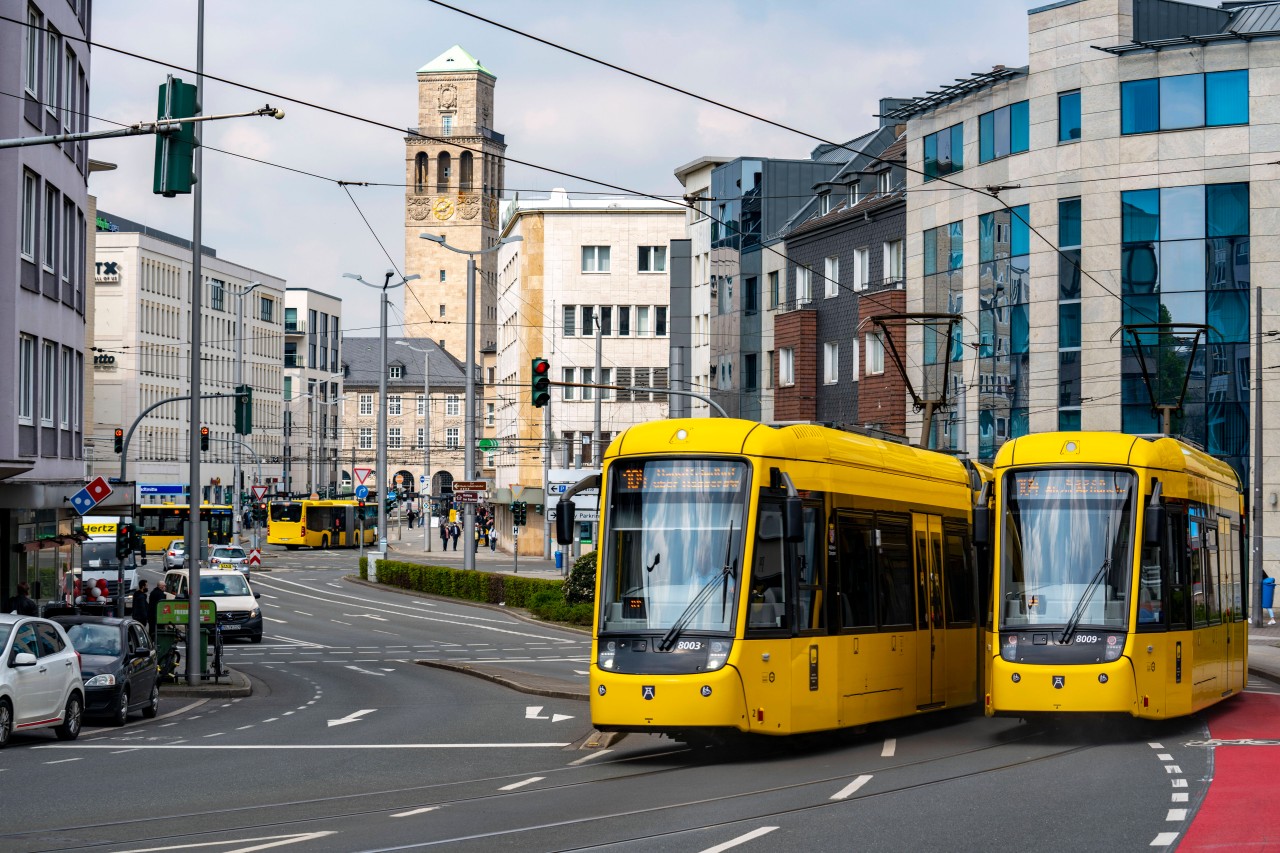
<point>455,59</point>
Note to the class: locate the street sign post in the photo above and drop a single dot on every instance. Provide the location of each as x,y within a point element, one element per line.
<point>362,474</point>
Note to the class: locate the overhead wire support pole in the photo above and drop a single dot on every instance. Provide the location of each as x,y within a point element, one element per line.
<point>142,128</point>
<point>703,397</point>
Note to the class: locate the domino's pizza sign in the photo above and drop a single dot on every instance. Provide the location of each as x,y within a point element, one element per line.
<point>91,495</point>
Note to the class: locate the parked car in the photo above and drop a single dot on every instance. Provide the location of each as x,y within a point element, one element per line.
<point>238,611</point>
<point>40,685</point>
<point>118,665</point>
<point>175,556</point>
<point>229,557</point>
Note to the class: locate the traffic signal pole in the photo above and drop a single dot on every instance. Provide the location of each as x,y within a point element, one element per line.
<point>194,540</point>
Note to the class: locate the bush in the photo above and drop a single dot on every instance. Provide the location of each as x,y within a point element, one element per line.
<point>580,586</point>
<point>364,568</point>
<point>512,590</point>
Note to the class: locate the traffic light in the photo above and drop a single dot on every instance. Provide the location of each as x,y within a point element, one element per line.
<point>519,512</point>
<point>175,149</point>
<point>244,409</point>
<point>204,438</point>
<point>119,440</point>
<point>540,382</point>
<point>124,541</point>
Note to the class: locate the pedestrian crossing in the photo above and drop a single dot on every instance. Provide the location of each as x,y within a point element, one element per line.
<point>1262,685</point>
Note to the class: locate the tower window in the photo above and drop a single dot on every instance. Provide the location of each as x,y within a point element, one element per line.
<point>464,170</point>
<point>444,171</point>
<point>420,173</point>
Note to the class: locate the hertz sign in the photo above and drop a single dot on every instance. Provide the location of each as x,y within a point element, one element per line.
<point>98,528</point>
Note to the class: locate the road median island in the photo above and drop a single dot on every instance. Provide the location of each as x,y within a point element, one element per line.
<point>233,685</point>
<point>536,685</point>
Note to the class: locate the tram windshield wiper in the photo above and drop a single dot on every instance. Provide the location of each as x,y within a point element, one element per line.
<point>1078,613</point>
<point>677,627</point>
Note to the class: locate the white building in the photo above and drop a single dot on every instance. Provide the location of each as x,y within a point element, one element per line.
<point>312,391</point>
<point>142,322</point>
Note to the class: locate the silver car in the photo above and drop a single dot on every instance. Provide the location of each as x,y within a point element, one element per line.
<point>229,557</point>
<point>175,555</point>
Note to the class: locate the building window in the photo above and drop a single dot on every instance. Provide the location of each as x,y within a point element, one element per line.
<point>1184,101</point>
<point>804,285</point>
<point>1003,132</point>
<point>642,321</point>
<point>217,294</point>
<point>750,295</point>
<point>52,51</point>
<point>393,438</point>
<point>587,381</point>
<point>652,259</point>
<point>490,413</point>
<point>48,383</point>
<point>69,92</point>
<point>824,204</point>
<point>861,269</point>
<point>605,318</point>
<point>875,354</point>
<point>393,404</point>
<point>853,359</point>
<point>624,321</point>
<point>570,315</point>
<point>31,51</point>
<point>567,388</point>
<point>830,363</point>
<point>660,321</point>
<point>786,367</point>
<point>831,272</point>
<point>442,276</point>
<point>395,372</point>
<point>422,405</point>
<point>451,407</point>
<point>442,309</point>
<point>50,253</point>
<point>451,439</point>
<point>606,378</point>
<point>595,258</point>
<point>68,384</point>
<point>288,382</point>
<point>895,269</point>
<point>26,379</point>
<point>444,171</point>
<point>366,438</point>
<point>1069,116</point>
<point>774,296</point>
<point>266,309</point>
<point>588,321</point>
<point>751,371</point>
<point>884,182</point>
<point>30,214</point>
<point>446,124</point>
<point>421,439</point>
<point>366,404</point>
<point>944,152</point>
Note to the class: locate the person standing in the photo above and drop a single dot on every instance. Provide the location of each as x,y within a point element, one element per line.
<point>153,604</point>
<point>444,535</point>
<point>22,603</point>
<point>141,608</point>
<point>493,536</point>
<point>455,532</point>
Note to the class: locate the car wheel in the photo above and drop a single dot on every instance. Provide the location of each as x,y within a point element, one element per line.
<point>121,716</point>
<point>72,718</point>
<point>153,704</point>
<point>6,723</point>
<point>256,638</point>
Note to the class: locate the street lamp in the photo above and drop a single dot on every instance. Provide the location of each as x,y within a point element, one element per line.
<point>469,417</point>
<point>426,438</point>
<point>382,401</point>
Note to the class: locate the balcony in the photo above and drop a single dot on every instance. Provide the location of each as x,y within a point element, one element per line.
<point>295,327</point>
<point>459,130</point>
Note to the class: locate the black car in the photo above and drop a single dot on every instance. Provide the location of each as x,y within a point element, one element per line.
<point>118,664</point>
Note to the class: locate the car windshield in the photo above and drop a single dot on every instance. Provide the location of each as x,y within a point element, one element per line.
<point>96,554</point>
<point>5,631</point>
<point>229,553</point>
<point>1066,548</point>
<point>221,586</point>
<point>178,545</point>
<point>673,542</point>
<point>95,639</point>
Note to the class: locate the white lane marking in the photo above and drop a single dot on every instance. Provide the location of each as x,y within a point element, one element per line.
<point>292,641</point>
<point>277,621</point>
<point>242,728</point>
<point>334,585</point>
<point>365,616</point>
<point>1164,839</point>
<point>216,734</point>
<point>1180,798</point>
<point>592,757</point>
<point>287,714</point>
<point>533,712</point>
<point>1156,745</point>
<point>521,784</point>
<point>1176,814</point>
<point>274,841</point>
<point>269,604</point>
<point>365,671</point>
<point>388,633</point>
<point>1172,768</point>
<point>890,747</point>
<point>121,751</point>
<point>339,621</point>
<point>62,761</point>
<point>741,839</point>
<point>581,672</point>
<point>413,812</point>
<point>329,746</point>
<point>270,719</point>
<point>1179,783</point>
<point>351,718</point>
<point>302,613</point>
<point>1164,756</point>
<point>852,788</point>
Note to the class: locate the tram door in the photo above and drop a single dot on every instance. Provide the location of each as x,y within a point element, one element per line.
<point>931,677</point>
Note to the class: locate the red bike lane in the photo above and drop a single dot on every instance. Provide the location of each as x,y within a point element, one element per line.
<point>1238,813</point>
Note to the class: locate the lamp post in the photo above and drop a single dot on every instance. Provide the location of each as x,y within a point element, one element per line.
<point>382,402</point>
<point>426,438</point>
<point>469,416</point>
<point>240,295</point>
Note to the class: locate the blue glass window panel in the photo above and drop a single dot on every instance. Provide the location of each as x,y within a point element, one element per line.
<point>1019,423</point>
<point>1019,329</point>
<point>957,343</point>
<point>1227,262</point>
<point>1140,106</point>
<point>1228,427</point>
<point>1068,378</point>
<point>1069,274</point>
<point>1140,216</point>
<point>1191,422</point>
<point>986,137</point>
<point>931,157</point>
<point>1019,127</point>
<point>1228,316</point>
<point>1020,230</point>
<point>986,434</point>
<point>986,334</point>
<point>1069,421</point>
<point>1182,213</point>
<point>1181,101</point>
<point>955,233</point>
<point>930,341</point>
<point>931,251</point>
<point>1226,98</point>
<point>957,147</point>
<point>1182,307</point>
<point>1068,222</point>
<point>1068,116</point>
<point>1227,209</point>
<point>1139,420</point>
<point>1136,310</point>
<point>944,152</point>
<point>1002,132</point>
<point>986,238</point>
<point>1182,266</point>
<point>1069,325</point>
<point>1139,268</point>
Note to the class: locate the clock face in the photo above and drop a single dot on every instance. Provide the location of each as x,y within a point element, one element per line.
<point>444,209</point>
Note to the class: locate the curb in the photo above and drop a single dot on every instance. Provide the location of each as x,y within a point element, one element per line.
<point>515,680</point>
<point>515,612</point>
<point>237,686</point>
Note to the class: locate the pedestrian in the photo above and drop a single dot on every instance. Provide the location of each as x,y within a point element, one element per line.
<point>22,603</point>
<point>153,604</point>
<point>455,532</point>
<point>413,516</point>
<point>444,535</point>
<point>141,608</point>
<point>493,537</point>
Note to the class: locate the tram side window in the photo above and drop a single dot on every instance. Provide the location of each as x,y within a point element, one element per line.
<point>768,604</point>
<point>1237,570</point>
<point>1212,592</point>
<point>897,580</point>
<point>856,537</point>
<point>809,613</point>
<point>959,578</point>
<point>1151,570</point>
<point>1176,568</point>
<point>1229,566</point>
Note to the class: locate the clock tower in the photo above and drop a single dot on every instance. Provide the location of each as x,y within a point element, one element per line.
<point>455,171</point>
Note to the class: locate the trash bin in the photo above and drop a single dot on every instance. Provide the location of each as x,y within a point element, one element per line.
<point>1268,592</point>
<point>560,563</point>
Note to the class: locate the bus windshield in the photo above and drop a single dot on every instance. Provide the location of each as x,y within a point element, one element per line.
<point>1065,554</point>
<point>286,511</point>
<point>673,531</point>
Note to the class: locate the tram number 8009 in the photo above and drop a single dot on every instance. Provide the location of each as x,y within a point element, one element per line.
<point>1088,638</point>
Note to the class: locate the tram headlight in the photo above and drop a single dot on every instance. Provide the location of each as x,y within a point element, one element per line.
<point>1114,647</point>
<point>1009,647</point>
<point>717,654</point>
<point>606,654</point>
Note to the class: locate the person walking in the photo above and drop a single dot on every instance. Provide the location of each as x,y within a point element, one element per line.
<point>413,516</point>
<point>153,605</point>
<point>493,536</point>
<point>22,603</point>
<point>455,532</point>
<point>141,608</point>
<point>444,535</point>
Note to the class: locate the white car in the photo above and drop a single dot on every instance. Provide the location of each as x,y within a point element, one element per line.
<point>40,682</point>
<point>175,556</point>
<point>229,557</point>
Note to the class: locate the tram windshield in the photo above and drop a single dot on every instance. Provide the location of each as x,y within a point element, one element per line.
<point>1065,557</point>
<point>673,545</point>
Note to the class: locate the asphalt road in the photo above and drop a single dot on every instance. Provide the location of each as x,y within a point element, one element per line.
<point>348,744</point>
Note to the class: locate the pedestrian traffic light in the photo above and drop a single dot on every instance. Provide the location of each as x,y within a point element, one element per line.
<point>244,409</point>
<point>175,147</point>
<point>119,440</point>
<point>204,438</point>
<point>124,540</point>
<point>540,382</point>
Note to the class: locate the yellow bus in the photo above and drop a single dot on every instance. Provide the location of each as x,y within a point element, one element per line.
<point>160,524</point>
<point>1120,577</point>
<point>321,524</point>
<point>779,580</point>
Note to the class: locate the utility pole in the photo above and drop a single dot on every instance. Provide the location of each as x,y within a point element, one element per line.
<point>426,440</point>
<point>1255,606</point>
<point>240,295</point>
<point>596,450</point>
<point>194,540</point>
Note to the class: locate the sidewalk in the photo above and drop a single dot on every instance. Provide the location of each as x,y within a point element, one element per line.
<point>410,549</point>
<point>1264,651</point>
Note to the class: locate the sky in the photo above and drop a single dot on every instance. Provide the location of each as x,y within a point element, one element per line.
<point>819,67</point>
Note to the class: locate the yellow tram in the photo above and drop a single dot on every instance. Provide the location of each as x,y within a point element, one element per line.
<point>1120,577</point>
<point>779,581</point>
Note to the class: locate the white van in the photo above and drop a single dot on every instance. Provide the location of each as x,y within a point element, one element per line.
<point>237,603</point>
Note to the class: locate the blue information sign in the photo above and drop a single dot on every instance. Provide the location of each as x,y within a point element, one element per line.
<point>362,492</point>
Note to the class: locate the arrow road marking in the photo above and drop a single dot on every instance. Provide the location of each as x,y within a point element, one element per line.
<point>351,718</point>
<point>365,616</point>
<point>534,712</point>
<point>555,718</point>
<point>275,841</point>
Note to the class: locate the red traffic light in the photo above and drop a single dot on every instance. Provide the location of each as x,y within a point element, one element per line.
<point>540,366</point>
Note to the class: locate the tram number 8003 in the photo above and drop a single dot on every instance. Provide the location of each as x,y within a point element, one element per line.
<point>689,646</point>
